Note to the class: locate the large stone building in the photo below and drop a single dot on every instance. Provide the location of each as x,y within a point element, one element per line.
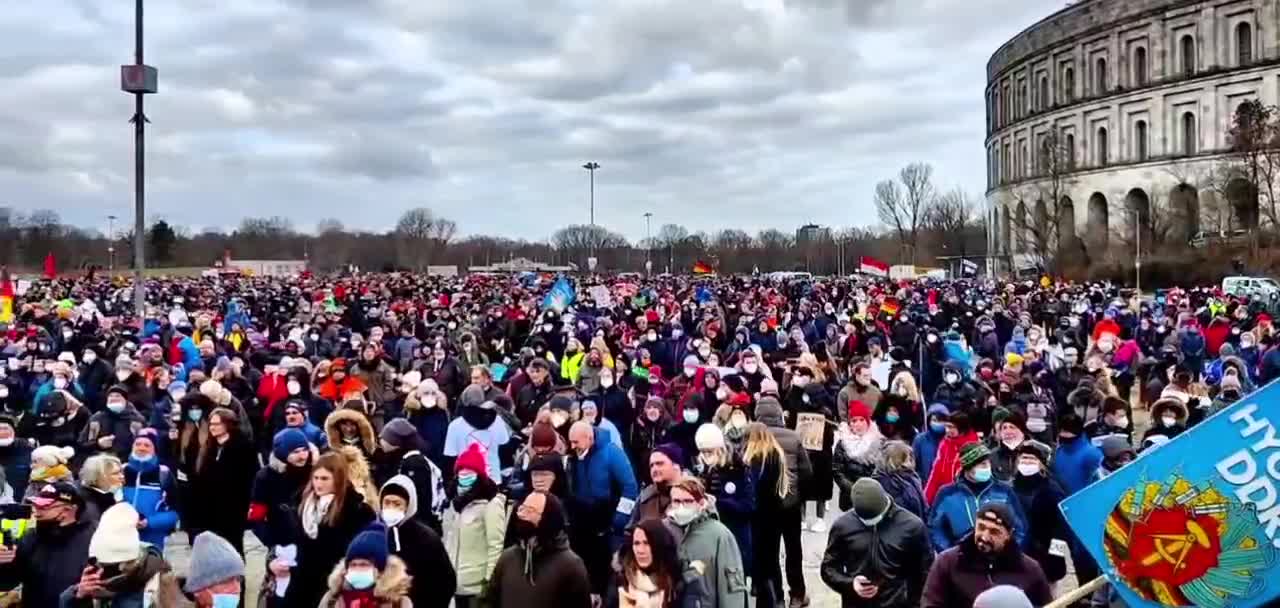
<point>1138,96</point>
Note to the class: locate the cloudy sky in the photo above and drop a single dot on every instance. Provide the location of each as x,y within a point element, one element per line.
<point>709,113</point>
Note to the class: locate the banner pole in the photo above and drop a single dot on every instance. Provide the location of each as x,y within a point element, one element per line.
<point>1078,594</point>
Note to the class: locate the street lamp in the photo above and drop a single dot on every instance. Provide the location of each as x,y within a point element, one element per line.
<point>648,246</point>
<point>591,168</point>
<point>139,80</point>
<point>111,244</point>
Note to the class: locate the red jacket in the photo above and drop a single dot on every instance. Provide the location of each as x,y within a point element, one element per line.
<point>947,465</point>
<point>1215,335</point>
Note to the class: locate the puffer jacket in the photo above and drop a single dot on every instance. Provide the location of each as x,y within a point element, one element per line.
<point>957,505</point>
<point>895,553</point>
<point>925,446</point>
<point>391,590</point>
<point>475,542</point>
<point>603,487</point>
<point>149,486</point>
<point>799,467</point>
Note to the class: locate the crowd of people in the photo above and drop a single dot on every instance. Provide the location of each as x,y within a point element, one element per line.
<point>402,440</point>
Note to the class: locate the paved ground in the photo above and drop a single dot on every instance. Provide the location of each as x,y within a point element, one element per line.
<point>177,551</point>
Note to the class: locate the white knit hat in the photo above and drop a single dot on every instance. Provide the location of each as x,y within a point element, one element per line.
<point>116,539</point>
<point>709,437</point>
<point>51,455</point>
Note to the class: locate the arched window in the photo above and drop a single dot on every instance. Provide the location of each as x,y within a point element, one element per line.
<point>1102,147</point>
<point>1188,55</point>
<point>1140,67</point>
<point>1100,75</point>
<point>1244,44</point>
<point>1070,151</point>
<point>1068,84</point>
<point>1189,133</point>
<point>1044,92</point>
<point>1140,140</point>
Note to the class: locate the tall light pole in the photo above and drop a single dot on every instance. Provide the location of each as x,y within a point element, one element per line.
<point>139,80</point>
<point>648,244</point>
<point>591,168</point>
<point>111,244</point>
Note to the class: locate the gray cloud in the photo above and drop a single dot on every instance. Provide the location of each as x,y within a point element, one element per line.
<point>714,114</point>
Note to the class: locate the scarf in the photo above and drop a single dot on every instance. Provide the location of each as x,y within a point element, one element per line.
<point>359,598</point>
<point>862,447</point>
<point>57,472</point>
<point>313,510</point>
<point>643,592</point>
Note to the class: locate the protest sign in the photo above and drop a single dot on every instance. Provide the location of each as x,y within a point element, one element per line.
<point>1195,522</point>
<point>810,428</point>
<point>602,296</point>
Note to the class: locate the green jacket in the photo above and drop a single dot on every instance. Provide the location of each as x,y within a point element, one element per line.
<point>709,547</point>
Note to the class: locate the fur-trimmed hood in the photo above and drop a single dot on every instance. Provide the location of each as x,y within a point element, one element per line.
<point>368,441</point>
<point>358,474</point>
<point>391,589</point>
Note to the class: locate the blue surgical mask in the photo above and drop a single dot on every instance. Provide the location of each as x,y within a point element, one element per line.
<point>982,475</point>
<point>891,418</point>
<point>116,406</point>
<point>194,414</point>
<point>360,579</point>
<point>466,480</point>
<point>937,427</point>
<point>691,416</point>
<point>226,600</point>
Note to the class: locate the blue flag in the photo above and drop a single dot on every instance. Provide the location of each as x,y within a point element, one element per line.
<point>560,296</point>
<point>1195,522</point>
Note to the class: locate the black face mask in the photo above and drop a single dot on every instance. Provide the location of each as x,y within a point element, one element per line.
<point>524,530</point>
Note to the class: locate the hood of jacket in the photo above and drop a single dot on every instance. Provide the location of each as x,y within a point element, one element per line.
<point>404,483</point>
<point>769,412</point>
<point>392,586</point>
<point>367,439</point>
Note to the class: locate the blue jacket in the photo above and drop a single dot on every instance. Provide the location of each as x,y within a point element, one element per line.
<point>925,446</point>
<point>190,357</point>
<point>315,435</point>
<point>148,486</point>
<point>602,483</point>
<point>1074,464</point>
<point>46,389</point>
<point>957,504</point>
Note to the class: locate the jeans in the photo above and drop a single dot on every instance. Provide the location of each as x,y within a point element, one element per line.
<point>769,532</point>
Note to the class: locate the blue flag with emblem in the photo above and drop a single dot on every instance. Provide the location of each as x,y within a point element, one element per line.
<point>560,296</point>
<point>1195,522</point>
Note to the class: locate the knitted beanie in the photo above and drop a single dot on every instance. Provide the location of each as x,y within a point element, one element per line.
<point>116,539</point>
<point>286,441</point>
<point>869,498</point>
<point>709,437</point>
<point>972,454</point>
<point>672,452</point>
<point>213,560</point>
<point>473,459</point>
<point>371,545</point>
<point>400,433</point>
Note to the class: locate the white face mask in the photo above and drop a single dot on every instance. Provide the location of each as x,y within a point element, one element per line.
<point>558,419</point>
<point>750,368</point>
<point>1026,469</point>
<point>59,383</point>
<point>428,401</point>
<point>800,381</point>
<point>6,442</point>
<point>392,517</point>
<point>690,371</point>
<point>90,356</point>
<point>123,375</point>
<point>951,378</point>
<point>1122,422</point>
<point>294,387</point>
<point>606,381</point>
<point>1169,421</point>
<point>722,393</point>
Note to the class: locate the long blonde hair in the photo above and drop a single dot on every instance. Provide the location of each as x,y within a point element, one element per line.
<point>761,446</point>
<point>336,465</point>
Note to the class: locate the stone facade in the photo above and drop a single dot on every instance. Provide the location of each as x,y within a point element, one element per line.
<point>1139,96</point>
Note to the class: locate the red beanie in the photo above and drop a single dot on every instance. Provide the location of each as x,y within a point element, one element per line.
<point>858,409</point>
<point>473,459</point>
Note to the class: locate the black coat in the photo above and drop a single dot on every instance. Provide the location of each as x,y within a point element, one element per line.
<point>414,465</point>
<point>277,490</point>
<point>815,399</point>
<point>423,553</point>
<point>121,427</point>
<point>48,561</point>
<point>16,461</point>
<point>220,489</point>
<point>895,555</point>
<point>1039,496</point>
<point>317,556</point>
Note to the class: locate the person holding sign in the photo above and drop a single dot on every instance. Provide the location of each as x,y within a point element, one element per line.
<point>806,401</point>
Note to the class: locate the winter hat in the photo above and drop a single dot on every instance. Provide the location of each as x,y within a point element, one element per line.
<point>472,396</point>
<point>116,539</point>
<point>999,415</point>
<point>998,513</point>
<point>548,462</point>
<point>543,436</point>
<point>150,435</point>
<point>735,383</point>
<point>400,433</point>
<point>371,545</point>
<point>768,387</point>
<point>473,459</point>
<point>869,498</point>
<point>118,390</point>
<point>1069,422</point>
<point>1041,451</point>
<point>672,452</point>
<point>709,437</point>
<point>1002,596</point>
<point>177,386</point>
<point>338,365</point>
<point>286,441</point>
<point>213,560</point>
<point>1115,446</point>
<point>1226,350</point>
<point>858,409</point>
<point>560,402</point>
<point>1229,382</point>
<point>51,455</point>
<point>1012,359</point>
<point>972,454</point>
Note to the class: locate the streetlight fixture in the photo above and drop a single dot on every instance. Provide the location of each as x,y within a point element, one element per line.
<point>648,244</point>
<point>591,168</point>
<point>111,244</point>
<point>139,80</point>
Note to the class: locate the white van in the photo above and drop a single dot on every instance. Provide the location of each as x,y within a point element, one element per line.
<point>1254,287</point>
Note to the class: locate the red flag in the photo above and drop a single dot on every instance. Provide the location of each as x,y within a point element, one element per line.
<point>50,267</point>
<point>890,306</point>
<point>6,283</point>
<point>872,266</point>
<point>701,267</point>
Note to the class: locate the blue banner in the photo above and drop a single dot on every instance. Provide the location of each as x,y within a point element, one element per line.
<point>560,296</point>
<point>1195,522</point>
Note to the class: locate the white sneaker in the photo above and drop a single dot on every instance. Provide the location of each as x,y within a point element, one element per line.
<point>818,526</point>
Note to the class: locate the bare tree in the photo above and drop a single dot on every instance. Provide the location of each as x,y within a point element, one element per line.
<point>578,242</point>
<point>1048,231</point>
<point>903,205</point>
<point>1255,147</point>
<point>950,219</point>
<point>420,236</point>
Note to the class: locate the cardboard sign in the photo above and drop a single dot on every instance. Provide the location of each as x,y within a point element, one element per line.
<point>1195,522</point>
<point>811,428</point>
<point>600,293</point>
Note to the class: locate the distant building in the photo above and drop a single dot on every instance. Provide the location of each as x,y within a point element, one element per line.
<point>521,265</point>
<point>262,268</point>
<point>812,233</point>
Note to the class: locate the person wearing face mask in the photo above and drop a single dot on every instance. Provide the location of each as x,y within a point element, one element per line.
<point>732,420</point>
<point>1114,421</point>
<point>857,451</point>
<point>95,374</point>
<point>1168,420</point>
<point>689,410</point>
<point>348,426</point>
<point>898,412</point>
<point>572,362</point>
<point>685,382</point>
<point>1008,435</point>
<point>111,431</point>
<point>751,371</point>
<point>1076,458</point>
<point>602,494</point>
<point>401,454</point>
<point>615,406</point>
<point>1229,392</point>
<point>277,488</point>
<point>946,465</point>
<point>15,458</point>
<point>806,396</point>
<point>924,447</point>
<point>340,384</point>
<point>704,539</point>
<point>369,575</point>
<point>1039,495</point>
<point>214,572</point>
<point>878,553</point>
<point>647,433</point>
<point>60,379</point>
<point>416,544</point>
<point>427,409</point>
<point>49,559</point>
<point>540,570</point>
<point>730,482</point>
<point>955,392</point>
<point>475,543</point>
<point>149,488</point>
<point>951,518</point>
